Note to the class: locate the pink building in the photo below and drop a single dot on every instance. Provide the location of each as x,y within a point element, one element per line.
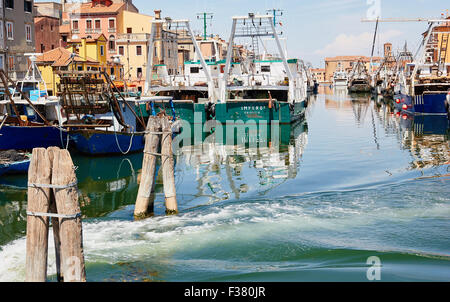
<point>97,17</point>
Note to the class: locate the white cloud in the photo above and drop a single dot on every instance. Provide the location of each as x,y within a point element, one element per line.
<point>359,44</point>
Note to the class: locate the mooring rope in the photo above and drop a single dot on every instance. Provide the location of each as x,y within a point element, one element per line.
<point>50,186</point>
<point>117,140</point>
<point>54,215</point>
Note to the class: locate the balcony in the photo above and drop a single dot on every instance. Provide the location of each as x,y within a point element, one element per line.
<point>124,38</point>
<point>75,31</point>
<point>112,30</point>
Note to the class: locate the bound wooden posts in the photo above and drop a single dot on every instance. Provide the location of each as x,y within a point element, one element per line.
<point>159,130</point>
<point>144,204</point>
<point>37,227</point>
<point>167,167</point>
<point>52,193</point>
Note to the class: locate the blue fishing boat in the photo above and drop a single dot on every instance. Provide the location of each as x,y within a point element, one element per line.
<point>32,136</point>
<point>424,85</point>
<point>15,168</point>
<point>26,124</point>
<point>13,162</point>
<point>100,142</point>
<point>98,122</point>
<point>29,118</point>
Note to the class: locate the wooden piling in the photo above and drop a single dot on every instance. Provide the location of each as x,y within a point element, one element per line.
<point>55,222</point>
<point>144,204</point>
<point>70,229</point>
<point>167,167</point>
<point>37,227</point>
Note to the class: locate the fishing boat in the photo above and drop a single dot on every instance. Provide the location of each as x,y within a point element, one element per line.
<point>29,118</point>
<point>424,86</point>
<point>340,78</point>
<point>266,89</point>
<point>14,162</point>
<point>98,122</point>
<point>192,87</point>
<point>359,79</point>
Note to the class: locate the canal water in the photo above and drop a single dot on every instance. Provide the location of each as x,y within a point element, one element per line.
<point>356,180</point>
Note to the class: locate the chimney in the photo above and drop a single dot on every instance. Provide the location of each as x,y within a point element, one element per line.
<point>158,14</point>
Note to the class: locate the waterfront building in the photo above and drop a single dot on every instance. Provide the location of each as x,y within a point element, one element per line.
<point>18,36</point>
<point>61,59</point>
<point>346,63</point>
<point>47,21</point>
<point>319,74</point>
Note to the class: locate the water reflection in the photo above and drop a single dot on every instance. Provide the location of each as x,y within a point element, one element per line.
<point>223,171</point>
<point>426,137</point>
<point>107,183</point>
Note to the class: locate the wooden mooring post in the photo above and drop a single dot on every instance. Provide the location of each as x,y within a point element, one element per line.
<point>158,137</point>
<point>52,193</point>
<point>167,167</point>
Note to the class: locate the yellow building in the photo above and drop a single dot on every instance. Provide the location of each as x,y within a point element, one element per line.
<point>319,74</point>
<point>94,47</point>
<point>132,42</point>
<point>61,59</point>
<point>441,40</point>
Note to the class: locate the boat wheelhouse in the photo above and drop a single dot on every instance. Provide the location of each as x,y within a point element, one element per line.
<point>359,79</point>
<point>270,89</point>
<point>340,78</point>
<point>426,82</point>
<point>192,88</point>
<point>29,119</point>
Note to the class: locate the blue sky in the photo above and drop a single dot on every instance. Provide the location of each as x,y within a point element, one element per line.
<point>315,29</point>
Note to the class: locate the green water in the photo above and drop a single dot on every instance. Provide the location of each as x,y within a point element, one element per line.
<point>354,181</point>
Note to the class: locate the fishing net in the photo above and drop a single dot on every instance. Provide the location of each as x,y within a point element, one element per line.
<point>11,156</point>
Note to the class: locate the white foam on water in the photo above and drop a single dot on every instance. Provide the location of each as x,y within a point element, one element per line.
<point>159,238</point>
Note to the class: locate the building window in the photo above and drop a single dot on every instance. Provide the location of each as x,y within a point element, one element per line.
<point>121,50</point>
<point>10,30</point>
<point>88,24</point>
<point>129,30</point>
<point>42,48</point>
<point>97,24</point>
<point>53,46</point>
<point>195,69</point>
<point>112,23</point>
<point>42,27</point>
<point>112,43</point>
<point>28,33</point>
<point>75,24</point>
<point>102,50</point>
<point>111,71</point>
<point>11,63</point>
<point>265,68</point>
<point>139,72</point>
<point>80,68</point>
<point>1,29</point>
<point>28,6</point>
<point>139,50</point>
<point>51,27</point>
<point>9,4</point>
